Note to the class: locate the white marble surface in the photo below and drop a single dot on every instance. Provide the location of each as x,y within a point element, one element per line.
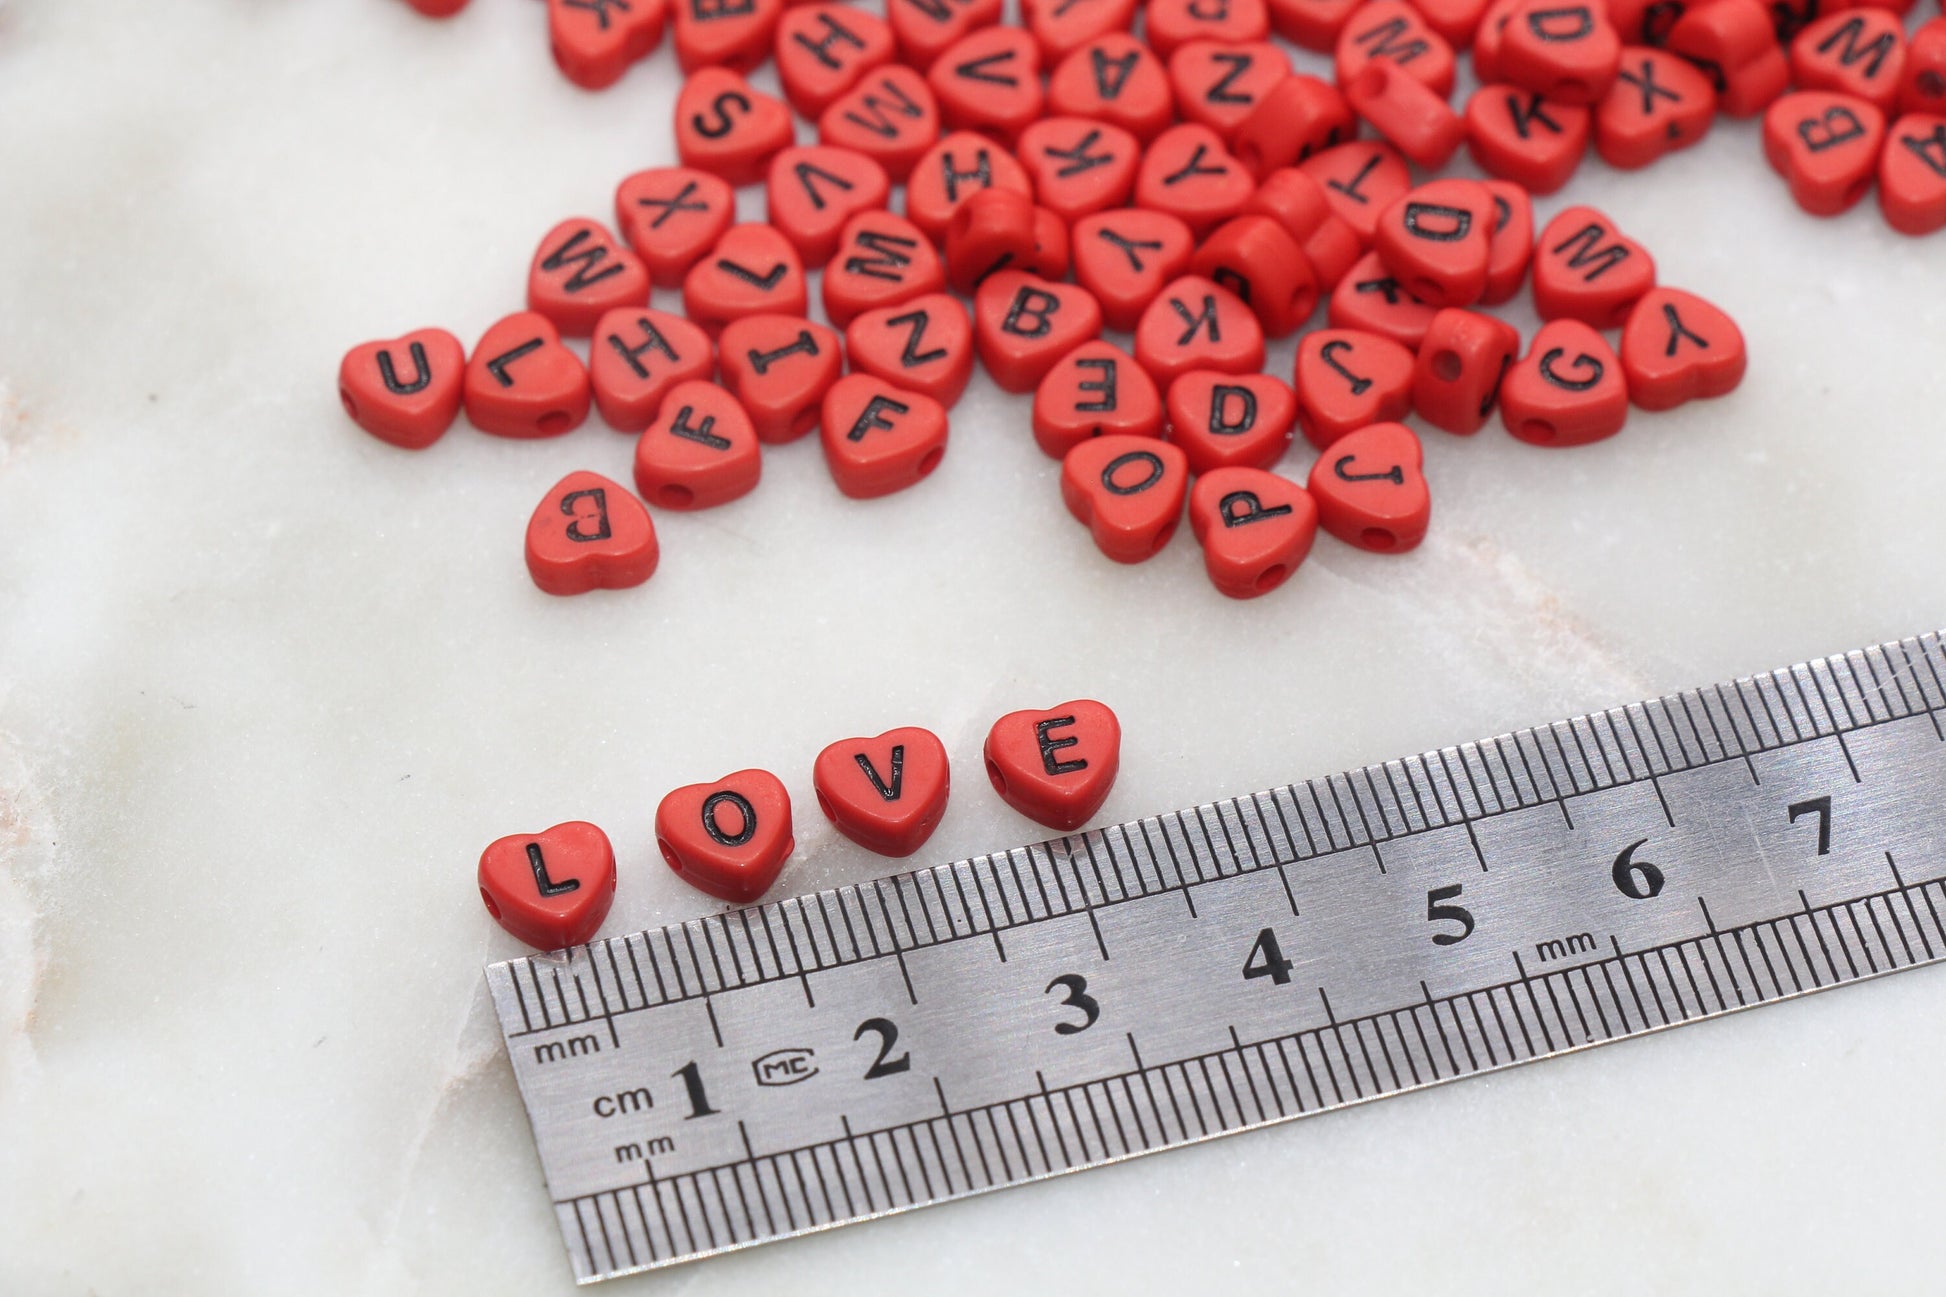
<point>267,686</point>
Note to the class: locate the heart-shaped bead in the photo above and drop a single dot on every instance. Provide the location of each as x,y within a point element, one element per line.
<point>671,216</point>
<point>1566,53</point>
<point>989,80</point>
<point>715,35</point>
<point>1171,24</point>
<point>1394,32</point>
<point>990,232</point>
<point>1257,260</point>
<point>923,345</point>
<point>1826,145</point>
<point>1660,102</point>
<point>1230,420</point>
<point>1023,324</point>
<point>1128,491</point>
<point>1055,766</point>
<point>1372,300</point>
<point>953,170</point>
<point>1436,241</point>
<point>1296,118</point>
<point>753,269</point>
<point>636,356</point>
<point>730,838</point>
<point>1189,173</point>
<point>1456,376</point>
<point>1255,528</point>
<point>888,793</point>
<point>1370,489</point>
<point>812,192</point>
<point>700,451</point>
<point>1220,83</point>
<point>879,438</point>
<point>521,382</point>
<point>1585,269</point>
<point>1347,379</point>
<point>1517,135</point>
<point>580,273</point>
<point>1126,257</point>
<point>1912,171</point>
<point>593,44</point>
<point>551,889</point>
<point>1117,79</point>
<point>1196,323</point>
<point>1677,347</point>
<point>727,127</point>
<point>1360,179</point>
<point>589,533</point>
<point>780,367</point>
<point>823,49</point>
<point>1513,241</point>
<point>889,116</point>
<point>1567,391</point>
<point>1095,390</point>
<point>1079,166</point>
<point>881,259</point>
<point>404,390</point>
<point>926,28</point>
<point>1062,26</point>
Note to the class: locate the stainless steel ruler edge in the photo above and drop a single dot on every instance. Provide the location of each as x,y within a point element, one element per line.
<point>1453,787</point>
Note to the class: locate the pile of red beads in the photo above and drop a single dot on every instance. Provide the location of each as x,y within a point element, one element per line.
<point>732,837</point>
<point>1193,190</point>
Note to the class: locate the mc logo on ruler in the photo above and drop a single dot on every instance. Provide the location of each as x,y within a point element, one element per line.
<point>1047,1009</point>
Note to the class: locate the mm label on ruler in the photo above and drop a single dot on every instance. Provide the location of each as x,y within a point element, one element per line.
<point>829,1058</point>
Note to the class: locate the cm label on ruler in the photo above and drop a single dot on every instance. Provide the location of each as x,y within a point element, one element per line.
<point>1162,944</point>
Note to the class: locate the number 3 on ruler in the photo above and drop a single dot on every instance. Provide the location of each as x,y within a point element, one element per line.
<point>1077,998</point>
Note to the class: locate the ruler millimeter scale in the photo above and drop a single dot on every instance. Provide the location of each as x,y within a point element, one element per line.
<point>833,1057</point>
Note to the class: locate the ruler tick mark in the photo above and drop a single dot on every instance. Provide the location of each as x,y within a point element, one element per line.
<point>714,1029</point>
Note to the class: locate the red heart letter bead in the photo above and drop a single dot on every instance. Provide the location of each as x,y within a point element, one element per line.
<point>1564,51</point>
<point>1348,379</point>
<point>813,191</point>
<point>1456,378</point>
<point>552,889</point>
<point>1063,26</point>
<point>701,451</point>
<point>780,367</point>
<point>989,80</point>
<point>1128,490</point>
<point>589,533</point>
<point>1095,390</point>
<point>1360,180</point>
<point>1517,135</point>
<point>636,356</point>
<point>671,216</point>
<point>953,170</point>
<point>1370,491</point>
<point>1372,300</point>
<point>1023,324</point>
<point>1230,420</point>
<point>822,50</point>
<point>925,28</point>
<point>1115,79</point>
<point>1659,103</point>
<point>1195,323</point>
<point>1257,259</point>
<point>1189,174</point>
<point>1394,33</point>
<point>580,273</point>
<point>728,128</point>
<point>521,382</point>
<point>889,116</point>
<point>879,438</point>
<point>1055,766</point>
<point>1826,145</point>
<point>1437,239</point>
<point>1079,166</point>
<point>881,259</point>
<point>730,838</point>
<point>1255,528</point>
<point>1220,83</point>
<point>1585,269</point>
<point>1677,347</point>
<point>1126,257</point>
<point>733,35</point>
<point>1912,173</point>
<point>752,270</point>
<point>1567,391</point>
<point>924,345</point>
<point>593,44</point>
<point>886,794</point>
<point>407,390</point>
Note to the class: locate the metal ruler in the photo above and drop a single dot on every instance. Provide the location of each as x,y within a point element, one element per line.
<point>830,1058</point>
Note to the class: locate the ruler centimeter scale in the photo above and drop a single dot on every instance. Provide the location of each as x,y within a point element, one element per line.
<point>834,1057</point>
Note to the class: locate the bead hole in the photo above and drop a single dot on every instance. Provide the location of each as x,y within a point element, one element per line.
<point>553,423</point>
<point>351,406</point>
<point>1538,430</point>
<point>825,806</point>
<point>1271,577</point>
<point>931,460</point>
<point>1378,538</point>
<point>994,777</point>
<point>492,908</point>
<point>668,854</point>
<point>675,496</point>
<point>1446,365</point>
